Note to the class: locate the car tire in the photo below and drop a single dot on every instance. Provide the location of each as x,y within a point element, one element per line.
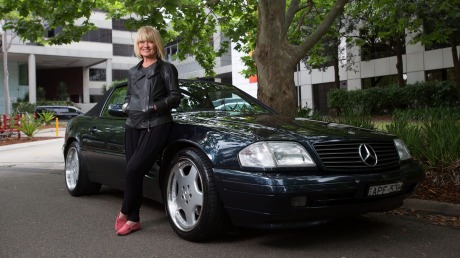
<point>76,177</point>
<point>193,206</point>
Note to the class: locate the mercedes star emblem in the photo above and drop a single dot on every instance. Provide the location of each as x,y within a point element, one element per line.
<point>368,155</point>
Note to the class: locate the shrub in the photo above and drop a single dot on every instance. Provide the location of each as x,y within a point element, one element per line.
<point>385,100</point>
<point>46,117</point>
<point>24,107</point>
<point>433,137</point>
<point>29,126</point>
<point>359,116</point>
<point>307,112</point>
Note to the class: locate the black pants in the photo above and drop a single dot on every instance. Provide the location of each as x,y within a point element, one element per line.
<point>142,147</point>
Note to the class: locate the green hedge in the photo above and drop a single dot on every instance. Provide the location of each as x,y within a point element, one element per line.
<point>386,100</point>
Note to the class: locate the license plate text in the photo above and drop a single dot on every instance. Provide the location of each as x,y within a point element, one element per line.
<point>384,189</point>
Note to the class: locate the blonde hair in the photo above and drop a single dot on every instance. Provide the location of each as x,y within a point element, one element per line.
<point>149,33</point>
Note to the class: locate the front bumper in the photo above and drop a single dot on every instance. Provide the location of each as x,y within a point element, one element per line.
<point>268,200</point>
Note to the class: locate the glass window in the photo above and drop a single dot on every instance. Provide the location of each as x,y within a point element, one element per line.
<point>440,75</point>
<point>23,74</point>
<point>97,75</point>
<point>202,96</point>
<point>379,81</point>
<point>119,24</point>
<point>99,35</point>
<point>119,75</point>
<point>170,52</point>
<point>117,98</point>
<point>123,50</point>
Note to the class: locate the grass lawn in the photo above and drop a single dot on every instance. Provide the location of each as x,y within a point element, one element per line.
<point>381,124</point>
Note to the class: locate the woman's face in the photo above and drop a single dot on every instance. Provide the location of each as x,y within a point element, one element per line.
<point>147,49</point>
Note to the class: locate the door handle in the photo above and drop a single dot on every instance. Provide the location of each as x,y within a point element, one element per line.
<point>94,130</point>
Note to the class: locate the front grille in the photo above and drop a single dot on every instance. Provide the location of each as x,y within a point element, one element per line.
<point>346,155</point>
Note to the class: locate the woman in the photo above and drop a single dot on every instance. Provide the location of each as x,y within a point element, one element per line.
<point>152,91</point>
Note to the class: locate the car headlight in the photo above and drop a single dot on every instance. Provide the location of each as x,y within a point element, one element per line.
<point>403,151</point>
<point>275,154</point>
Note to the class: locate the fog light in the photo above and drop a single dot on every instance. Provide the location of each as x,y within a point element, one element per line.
<point>299,201</point>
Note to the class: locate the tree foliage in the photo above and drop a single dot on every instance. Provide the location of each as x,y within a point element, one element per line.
<point>35,18</point>
<point>31,20</point>
<point>272,34</point>
<point>438,24</point>
<point>379,28</point>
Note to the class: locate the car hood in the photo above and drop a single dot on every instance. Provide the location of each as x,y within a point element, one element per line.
<point>275,127</point>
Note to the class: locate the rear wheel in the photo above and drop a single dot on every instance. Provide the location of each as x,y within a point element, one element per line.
<point>194,208</point>
<point>76,177</point>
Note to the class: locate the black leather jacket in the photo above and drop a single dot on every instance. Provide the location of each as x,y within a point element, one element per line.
<point>155,85</point>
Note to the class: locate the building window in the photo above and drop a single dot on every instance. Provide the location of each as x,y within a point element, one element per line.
<point>447,74</point>
<point>23,74</point>
<point>171,50</point>
<point>378,50</point>
<point>123,50</point>
<point>379,81</point>
<point>119,24</point>
<point>95,98</point>
<point>375,47</point>
<point>99,35</point>
<point>119,75</point>
<point>97,75</point>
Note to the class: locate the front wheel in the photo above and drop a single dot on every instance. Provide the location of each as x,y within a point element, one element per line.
<point>76,177</point>
<point>194,208</point>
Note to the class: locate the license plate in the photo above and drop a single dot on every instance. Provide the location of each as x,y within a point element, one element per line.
<point>376,190</point>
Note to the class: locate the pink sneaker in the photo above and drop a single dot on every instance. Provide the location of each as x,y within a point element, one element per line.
<point>126,229</point>
<point>120,222</point>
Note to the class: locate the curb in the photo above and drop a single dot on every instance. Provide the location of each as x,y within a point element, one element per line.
<point>21,145</point>
<point>433,207</point>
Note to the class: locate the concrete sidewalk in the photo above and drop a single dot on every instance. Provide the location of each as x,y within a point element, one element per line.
<point>50,132</point>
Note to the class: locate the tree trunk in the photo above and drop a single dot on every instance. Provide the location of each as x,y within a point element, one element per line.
<point>399,62</point>
<point>336,73</point>
<point>274,61</point>
<point>6,90</point>
<point>276,86</point>
<point>456,60</point>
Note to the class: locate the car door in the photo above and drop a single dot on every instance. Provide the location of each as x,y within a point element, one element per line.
<point>105,152</point>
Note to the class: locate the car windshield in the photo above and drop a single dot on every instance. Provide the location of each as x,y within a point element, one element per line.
<point>199,96</point>
<point>204,96</point>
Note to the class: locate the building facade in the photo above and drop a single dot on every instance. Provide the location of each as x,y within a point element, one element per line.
<point>104,56</point>
<point>85,68</point>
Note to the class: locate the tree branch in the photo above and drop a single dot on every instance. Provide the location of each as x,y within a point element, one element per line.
<point>310,41</point>
<point>294,7</point>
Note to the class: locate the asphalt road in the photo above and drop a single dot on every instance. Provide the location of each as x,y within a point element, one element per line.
<point>38,218</point>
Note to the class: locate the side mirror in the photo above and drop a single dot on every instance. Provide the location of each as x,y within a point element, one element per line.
<point>116,110</point>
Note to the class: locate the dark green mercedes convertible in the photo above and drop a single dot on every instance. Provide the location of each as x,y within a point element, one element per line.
<point>231,160</point>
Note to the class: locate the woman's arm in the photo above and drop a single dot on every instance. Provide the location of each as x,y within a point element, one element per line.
<point>171,79</point>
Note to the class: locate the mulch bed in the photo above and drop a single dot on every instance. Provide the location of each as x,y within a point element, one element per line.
<point>447,191</point>
<point>23,139</point>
